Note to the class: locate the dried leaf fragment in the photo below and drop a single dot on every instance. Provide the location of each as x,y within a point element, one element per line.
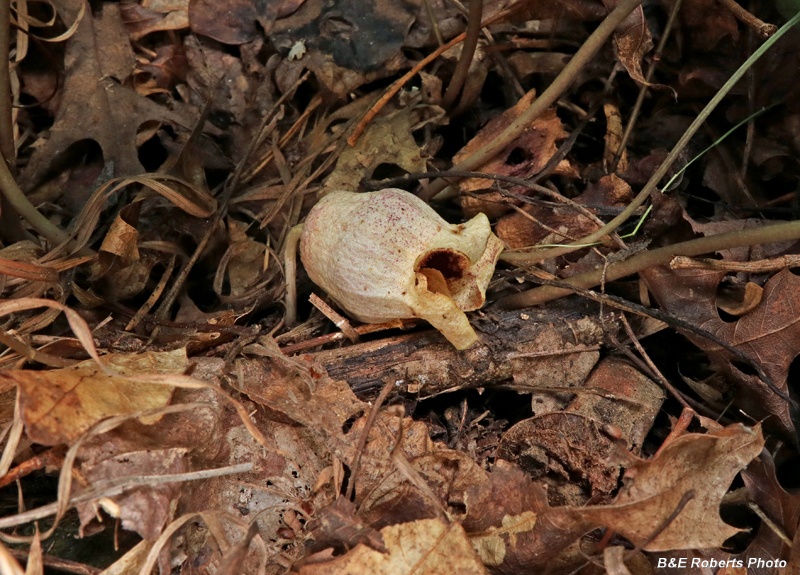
<point>428,546</point>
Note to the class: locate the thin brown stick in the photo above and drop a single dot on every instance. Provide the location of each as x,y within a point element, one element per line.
<point>687,497</point>
<point>32,354</point>
<point>411,474</point>
<point>777,529</point>
<point>434,22</point>
<point>373,185</point>
<point>751,122</point>
<point>59,564</point>
<point>564,80</point>
<point>119,486</point>
<point>467,52</point>
<point>338,336</point>
<point>222,210</point>
<point>151,301</point>
<point>290,269</point>
<point>27,211</point>
<point>748,19</point>
<point>362,440</point>
<point>761,235</point>
<point>338,320</point>
<point>757,267</point>
<point>53,457</point>
<point>653,369</point>
<point>6,121</point>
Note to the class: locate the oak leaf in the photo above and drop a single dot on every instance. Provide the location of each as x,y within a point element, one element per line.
<point>769,334</point>
<point>705,464</point>
<point>95,105</point>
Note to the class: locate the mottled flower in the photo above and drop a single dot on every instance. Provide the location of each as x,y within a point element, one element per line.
<point>388,255</point>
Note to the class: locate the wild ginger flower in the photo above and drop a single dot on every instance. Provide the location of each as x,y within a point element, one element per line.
<point>388,255</point>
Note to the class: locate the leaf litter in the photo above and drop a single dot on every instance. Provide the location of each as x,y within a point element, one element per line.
<point>156,409</point>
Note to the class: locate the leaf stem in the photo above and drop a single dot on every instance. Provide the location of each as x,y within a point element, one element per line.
<point>660,256</point>
<point>20,203</point>
<point>467,52</point>
<point>539,255</point>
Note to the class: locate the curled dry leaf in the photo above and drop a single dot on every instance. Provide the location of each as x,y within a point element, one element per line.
<point>388,255</point>
<point>632,40</point>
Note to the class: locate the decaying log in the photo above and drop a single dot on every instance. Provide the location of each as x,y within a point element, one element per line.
<point>510,350</point>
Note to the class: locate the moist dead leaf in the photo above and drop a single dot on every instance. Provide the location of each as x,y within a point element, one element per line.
<point>427,546</point>
<point>348,43</point>
<point>59,405</point>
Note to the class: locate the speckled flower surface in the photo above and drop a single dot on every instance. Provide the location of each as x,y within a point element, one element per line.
<point>388,255</point>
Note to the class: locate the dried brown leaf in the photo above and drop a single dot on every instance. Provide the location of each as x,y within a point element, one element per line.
<point>144,510</point>
<point>535,146</point>
<point>154,16</point>
<point>632,39</point>
<point>567,451</point>
<point>95,105</point>
<point>770,334</point>
<point>701,463</point>
<point>58,406</point>
<point>387,140</point>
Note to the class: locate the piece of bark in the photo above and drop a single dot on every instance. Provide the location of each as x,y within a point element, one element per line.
<point>424,362</point>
